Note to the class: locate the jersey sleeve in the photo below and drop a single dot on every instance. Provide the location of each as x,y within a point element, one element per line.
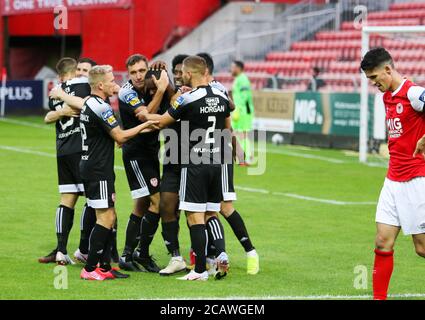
<point>178,107</point>
<point>106,117</point>
<point>416,96</point>
<point>130,98</point>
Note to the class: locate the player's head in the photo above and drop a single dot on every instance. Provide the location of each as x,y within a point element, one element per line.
<point>378,65</point>
<point>209,60</point>
<point>194,71</point>
<point>316,71</point>
<point>237,68</point>
<point>102,81</point>
<point>66,68</point>
<point>177,64</point>
<point>137,66</point>
<point>150,87</point>
<point>84,65</point>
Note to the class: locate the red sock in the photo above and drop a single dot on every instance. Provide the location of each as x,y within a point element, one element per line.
<point>382,270</point>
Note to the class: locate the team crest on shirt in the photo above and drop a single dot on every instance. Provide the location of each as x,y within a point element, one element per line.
<point>399,108</point>
<point>109,117</point>
<point>154,182</point>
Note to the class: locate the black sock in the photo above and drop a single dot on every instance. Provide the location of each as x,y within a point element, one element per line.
<point>88,220</point>
<point>105,258</point>
<point>64,221</point>
<point>216,228</point>
<point>239,229</point>
<point>170,232</point>
<point>132,235</point>
<point>198,236</point>
<point>150,223</point>
<point>98,239</point>
<point>210,244</point>
<point>114,249</point>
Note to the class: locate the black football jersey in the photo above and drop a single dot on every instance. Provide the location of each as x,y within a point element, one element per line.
<point>97,119</point>
<point>68,138</point>
<point>142,146</point>
<point>202,113</point>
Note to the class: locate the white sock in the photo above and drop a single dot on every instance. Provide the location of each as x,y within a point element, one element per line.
<point>252,253</point>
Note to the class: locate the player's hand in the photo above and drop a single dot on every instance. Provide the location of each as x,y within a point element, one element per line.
<point>149,126</point>
<point>158,65</point>
<point>184,89</point>
<point>142,114</point>
<point>67,111</point>
<point>162,82</point>
<point>57,93</point>
<point>420,147</point>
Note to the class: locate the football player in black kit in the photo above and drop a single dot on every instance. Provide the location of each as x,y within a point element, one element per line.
<point>68,145</point>
<point>204,112</point>
<point>229,195</point>
<point>99,130</point>
<point>141,162</point>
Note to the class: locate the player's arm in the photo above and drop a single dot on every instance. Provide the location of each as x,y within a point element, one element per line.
<point>72,101</point>
<point>55,115</point>
<point>122,136</point>
<point>416,96</point>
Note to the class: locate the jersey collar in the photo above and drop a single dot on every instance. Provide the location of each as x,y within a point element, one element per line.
<point>399,88</point>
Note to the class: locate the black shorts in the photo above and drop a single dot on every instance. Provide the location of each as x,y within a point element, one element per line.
<point>143,176</point>
<point>201,188</point>
<point>100,194</point>
<point>69,178</point>
<point>170,180</point>
<point>228,187</point>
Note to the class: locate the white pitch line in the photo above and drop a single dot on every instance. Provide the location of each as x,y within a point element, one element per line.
<point>302,155</point>
<point>328,201</point>
<point>26,124</point>
<point>22,150</point>
<point>307,297</point>
<point>301,197</point>
<point>248,189</point>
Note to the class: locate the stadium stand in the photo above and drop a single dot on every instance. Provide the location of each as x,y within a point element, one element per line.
<point>337,54</point>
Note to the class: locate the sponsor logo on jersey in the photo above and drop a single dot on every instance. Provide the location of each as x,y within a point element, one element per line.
<point>109,117</point>
<point>178,102</point>
<point>132,99</point>
<point>154,182</point>
<point>395,128</point>
<point>399,108</point>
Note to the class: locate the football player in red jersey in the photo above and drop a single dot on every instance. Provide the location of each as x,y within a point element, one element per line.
<point>401,203</point>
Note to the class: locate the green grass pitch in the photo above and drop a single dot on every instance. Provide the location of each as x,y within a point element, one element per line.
<point>308,249</point>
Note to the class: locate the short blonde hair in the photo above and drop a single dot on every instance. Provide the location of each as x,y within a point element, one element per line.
<point>97,74</point>
<point>195,64</point>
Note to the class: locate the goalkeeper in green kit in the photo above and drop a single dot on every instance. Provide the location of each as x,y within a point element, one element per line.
<point>243,115</point>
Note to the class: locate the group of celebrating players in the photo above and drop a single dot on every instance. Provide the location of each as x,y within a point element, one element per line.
<point>197,173</point>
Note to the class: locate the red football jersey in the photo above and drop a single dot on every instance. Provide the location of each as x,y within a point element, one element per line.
<point>406,125</point>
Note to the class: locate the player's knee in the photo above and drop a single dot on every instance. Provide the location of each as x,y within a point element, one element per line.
<point>384,243</point>
<point>420,250</point>
<point>210,214</point>
<point>226,208</point>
